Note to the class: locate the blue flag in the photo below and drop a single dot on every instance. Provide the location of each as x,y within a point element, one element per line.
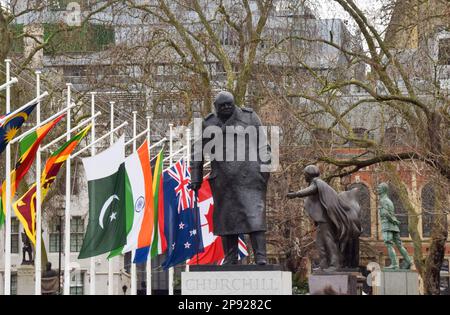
<point>10,125</point>
<point>181,219</point>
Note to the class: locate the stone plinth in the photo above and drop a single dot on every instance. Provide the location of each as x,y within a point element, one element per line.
<point>25,280</point>
<point>236,280</point>
<point>340,283</point>
<point>398,282</point>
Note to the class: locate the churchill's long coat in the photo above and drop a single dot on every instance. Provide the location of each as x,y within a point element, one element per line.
<point>238,185</point>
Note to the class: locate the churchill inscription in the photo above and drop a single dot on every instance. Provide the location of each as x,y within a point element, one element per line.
<point>237,282</point>
<point>232,284</point>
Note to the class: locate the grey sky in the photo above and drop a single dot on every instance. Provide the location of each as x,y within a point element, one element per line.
<point>330,9</point>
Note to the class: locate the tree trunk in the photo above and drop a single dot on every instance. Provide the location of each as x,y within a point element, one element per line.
<point>439,232</point>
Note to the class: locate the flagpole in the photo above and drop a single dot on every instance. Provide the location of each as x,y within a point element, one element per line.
<point>37,259</point>
<point>133,266</point>
<point>8,191</point>
<point>123,125</point>
<point>4,86</point>
<point>32,102</point>
<point>171,270</point>
<point>110,261</point>
<point>149,258</point>
<point>82,124</point>
<point>188,159</point>
<point>68,197</point>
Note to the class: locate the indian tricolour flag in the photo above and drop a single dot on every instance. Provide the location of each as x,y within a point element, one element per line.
<point>159,244</point>
<point>139,201</point>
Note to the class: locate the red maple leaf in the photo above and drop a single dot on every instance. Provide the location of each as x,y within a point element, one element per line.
<point>209,218</point>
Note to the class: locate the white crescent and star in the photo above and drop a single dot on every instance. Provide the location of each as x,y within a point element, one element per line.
<point>104,208</point>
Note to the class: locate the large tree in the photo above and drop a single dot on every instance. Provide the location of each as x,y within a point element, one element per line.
<point>402,91</point>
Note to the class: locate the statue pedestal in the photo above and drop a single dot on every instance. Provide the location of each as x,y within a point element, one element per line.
<point>342,283</point>
<point>25,280</point>
<point>236,280</point>
<point>398,282</point>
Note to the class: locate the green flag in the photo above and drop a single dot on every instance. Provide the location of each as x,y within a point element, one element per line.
<point>106,177</point>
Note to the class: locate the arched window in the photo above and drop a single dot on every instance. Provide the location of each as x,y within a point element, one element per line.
<point>400,211</point>
<point>428,204</point>
<point>364,203</point>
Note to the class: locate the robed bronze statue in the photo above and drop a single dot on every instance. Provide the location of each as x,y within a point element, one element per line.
<point>336,217</point>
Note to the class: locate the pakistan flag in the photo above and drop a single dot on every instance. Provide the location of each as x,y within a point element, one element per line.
<point>106,229</point>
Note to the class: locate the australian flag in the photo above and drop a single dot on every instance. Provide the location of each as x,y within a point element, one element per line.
<point>181,218</point>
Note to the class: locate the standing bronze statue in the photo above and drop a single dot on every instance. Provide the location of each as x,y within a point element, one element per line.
<point>390,227</point>
<point>27,248</point>
<point>336,217</point>
<point>238,179</point>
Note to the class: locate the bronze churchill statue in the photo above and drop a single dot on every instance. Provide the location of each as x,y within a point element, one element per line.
<point>238,150</point>
<point>336,217</point>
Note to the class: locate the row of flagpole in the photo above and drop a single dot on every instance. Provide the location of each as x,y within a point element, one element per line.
<point>38,255</point>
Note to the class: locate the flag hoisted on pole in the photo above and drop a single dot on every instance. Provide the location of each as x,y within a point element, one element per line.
<point>139,201</point>
<point>181,225</point>
<point>8,129</point>
<point>158,243</point>
<point>106,229</point>
<point>11,123</point>
<point>28,149</point>
<point>25,206</point>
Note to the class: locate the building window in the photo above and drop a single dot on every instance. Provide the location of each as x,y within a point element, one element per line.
<point>14,235</point>
<point>364,203</point>
<point>428,202</point>
<point>160,277</point>
<point>127,262</point>
<point>444,51</point>
<point>445,278</point>
<point>77,283</point>
<point>54,239</point>
<point>430,214</point>
<point>76,234</point>
<point>400,211</point>
<point>13,284</point>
